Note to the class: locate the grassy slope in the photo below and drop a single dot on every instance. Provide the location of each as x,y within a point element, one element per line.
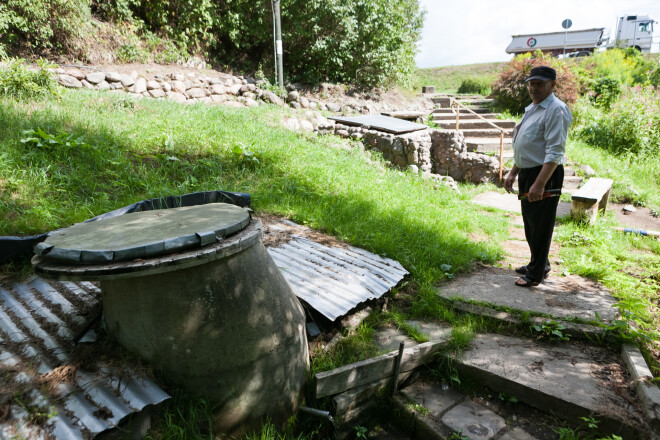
<point>448,79</point>
<point>149,148</point>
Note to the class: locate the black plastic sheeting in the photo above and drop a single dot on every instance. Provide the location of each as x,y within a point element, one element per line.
<point>13,247</point>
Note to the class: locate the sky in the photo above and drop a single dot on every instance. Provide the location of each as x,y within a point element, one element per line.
<point>458,32</point>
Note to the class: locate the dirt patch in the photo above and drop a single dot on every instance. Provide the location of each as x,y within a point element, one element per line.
<point>642,218</point>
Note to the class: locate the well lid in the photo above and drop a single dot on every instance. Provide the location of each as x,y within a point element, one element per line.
<point>143,234</point>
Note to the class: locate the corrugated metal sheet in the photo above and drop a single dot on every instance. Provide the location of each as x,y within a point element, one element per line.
<point>39,321</point>
<point>333,280</point>
<point>382,123</point>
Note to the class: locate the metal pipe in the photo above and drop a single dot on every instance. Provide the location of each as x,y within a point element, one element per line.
<point>501,153</point>
<point>278,44</point>
<point>397,368</point>
<point>318,413</point>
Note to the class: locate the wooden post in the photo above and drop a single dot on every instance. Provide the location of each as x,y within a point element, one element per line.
<point>397,368</point>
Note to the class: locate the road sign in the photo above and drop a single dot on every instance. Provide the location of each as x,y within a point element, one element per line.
<point>566,23</point>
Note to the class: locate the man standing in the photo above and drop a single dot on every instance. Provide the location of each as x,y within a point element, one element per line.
<point>539,143</point>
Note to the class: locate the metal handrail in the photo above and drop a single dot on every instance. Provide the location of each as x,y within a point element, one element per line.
<point>461,105</point>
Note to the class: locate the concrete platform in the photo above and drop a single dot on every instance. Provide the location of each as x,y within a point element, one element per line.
<point>570,380</point>
<point>560,297</point>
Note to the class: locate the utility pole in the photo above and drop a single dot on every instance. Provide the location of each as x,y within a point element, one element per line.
<point>279,64</point>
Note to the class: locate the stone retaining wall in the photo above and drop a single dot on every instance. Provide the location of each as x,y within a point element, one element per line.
<point>224,88</point>
<point>440,152</point>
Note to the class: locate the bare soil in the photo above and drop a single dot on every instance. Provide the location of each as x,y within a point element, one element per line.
<point>641,218</point>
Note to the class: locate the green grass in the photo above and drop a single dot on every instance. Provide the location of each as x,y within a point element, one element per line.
<point>448,79</point>
<point>636,179</point>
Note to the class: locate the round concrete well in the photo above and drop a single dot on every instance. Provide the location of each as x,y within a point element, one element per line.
<point>219,319</point>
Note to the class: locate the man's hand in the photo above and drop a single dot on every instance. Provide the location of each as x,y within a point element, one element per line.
<point>510,179</point>
<point>535,193</point>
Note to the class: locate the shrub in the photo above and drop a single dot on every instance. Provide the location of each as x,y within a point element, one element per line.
<point>627,66</point>
<point>41,24</point>
<point>509,90</point>
<point>20,82</point>
<point>479,86</point>
<point>605,91</point>
<point>632,126</point>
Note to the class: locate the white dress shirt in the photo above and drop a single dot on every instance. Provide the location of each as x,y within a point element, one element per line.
<point>541,135</point>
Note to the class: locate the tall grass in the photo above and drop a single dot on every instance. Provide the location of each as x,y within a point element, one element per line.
<point>449,79</point>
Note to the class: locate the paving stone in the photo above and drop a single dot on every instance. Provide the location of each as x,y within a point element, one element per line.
<point>474,421</point>
<point>562,297</point>
<point>435,397</point>
<point>517,433</point>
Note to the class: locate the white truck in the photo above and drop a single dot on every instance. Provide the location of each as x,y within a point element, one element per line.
<point>631,31</point>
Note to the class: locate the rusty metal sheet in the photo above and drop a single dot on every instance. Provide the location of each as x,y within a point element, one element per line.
<point>39,322</point>
<point>380,122</point>
<point>333,280</point>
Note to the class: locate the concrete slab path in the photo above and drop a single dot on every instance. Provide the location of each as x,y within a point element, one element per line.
<point>561,297</point>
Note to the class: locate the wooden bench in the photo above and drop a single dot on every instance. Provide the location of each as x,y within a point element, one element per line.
<point>591,198</point>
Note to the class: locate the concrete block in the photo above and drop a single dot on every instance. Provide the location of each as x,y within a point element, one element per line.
<point>474,421</point>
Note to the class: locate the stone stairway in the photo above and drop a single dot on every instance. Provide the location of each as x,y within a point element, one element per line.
<point>480,136</point>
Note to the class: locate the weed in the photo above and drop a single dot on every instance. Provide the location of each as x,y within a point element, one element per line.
<point>361,432</point>
<point>552,330</point>
<point>457,435</point>
<point>417,408</point>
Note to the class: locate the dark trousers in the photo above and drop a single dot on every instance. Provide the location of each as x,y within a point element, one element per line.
<point>539,219</point>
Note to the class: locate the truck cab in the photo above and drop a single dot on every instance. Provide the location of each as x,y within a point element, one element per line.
<point>635,31</point>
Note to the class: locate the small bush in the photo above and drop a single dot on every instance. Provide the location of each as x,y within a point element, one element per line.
<point>632,126</point>
<point>628,66</point>
<point>478,86</point>
<point>20,82</point>
<point>509,90</point>
<point>605,91</point>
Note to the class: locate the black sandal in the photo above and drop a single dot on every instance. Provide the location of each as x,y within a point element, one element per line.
<point>523,271</point>
<point>528,282</point>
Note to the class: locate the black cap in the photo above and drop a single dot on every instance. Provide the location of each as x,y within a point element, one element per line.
<point>544,73</point>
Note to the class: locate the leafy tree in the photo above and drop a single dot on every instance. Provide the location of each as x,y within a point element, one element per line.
<point>365,42</point>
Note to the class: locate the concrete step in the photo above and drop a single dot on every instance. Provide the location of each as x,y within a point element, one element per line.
<point>471,124</point>
<point>482,102</point>
<point>572,182</point>
<point>487,145</point>
<point>450,111</point>
<point>487,133</point>
<point>568,380</point>
<point>463,115</point>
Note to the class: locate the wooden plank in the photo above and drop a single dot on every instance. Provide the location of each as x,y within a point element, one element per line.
<point>347,400</point>
<point>593,190</point>
<point>371,370</point>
